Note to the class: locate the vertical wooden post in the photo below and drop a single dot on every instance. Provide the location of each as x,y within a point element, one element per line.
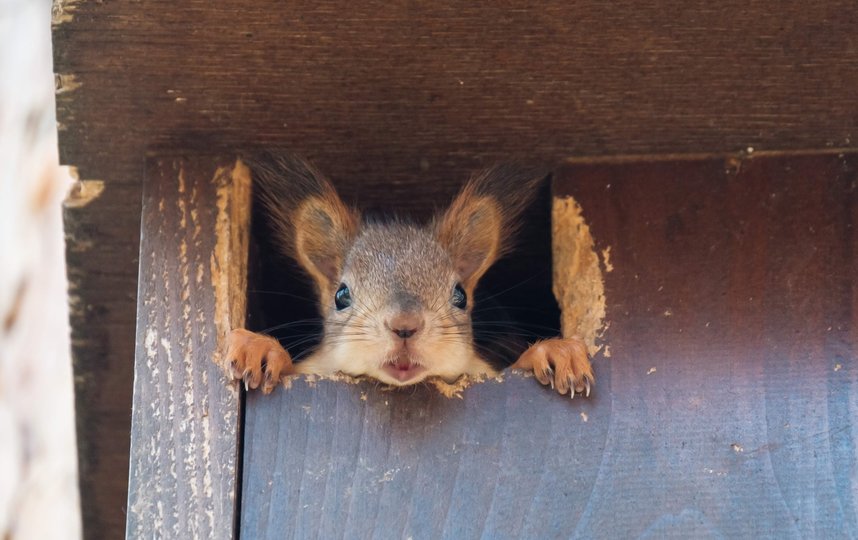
<point>192,289</point>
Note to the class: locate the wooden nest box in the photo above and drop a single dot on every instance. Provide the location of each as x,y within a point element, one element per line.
<point>707,151</point>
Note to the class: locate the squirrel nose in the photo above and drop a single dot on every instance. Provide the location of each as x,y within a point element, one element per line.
<point>405,325</point>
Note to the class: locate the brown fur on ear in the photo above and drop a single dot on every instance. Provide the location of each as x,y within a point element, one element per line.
<point>471,231</point>
<point>480,224</point>
<point>324,230</point>
<point>312,224</point>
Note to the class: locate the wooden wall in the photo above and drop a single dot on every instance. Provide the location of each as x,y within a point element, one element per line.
<point>723,406</point>
<point>410,95</point>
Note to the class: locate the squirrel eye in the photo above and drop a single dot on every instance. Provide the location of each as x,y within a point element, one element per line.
<point>459,299</point>
<point>343,297</point>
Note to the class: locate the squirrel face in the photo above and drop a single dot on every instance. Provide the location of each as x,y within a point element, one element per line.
<point>395,297</point>
<point>400,312</point>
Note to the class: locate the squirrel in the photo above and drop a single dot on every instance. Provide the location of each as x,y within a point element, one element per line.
<point>396,298</point>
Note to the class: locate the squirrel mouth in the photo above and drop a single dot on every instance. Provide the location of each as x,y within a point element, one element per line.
<point>403,370</point>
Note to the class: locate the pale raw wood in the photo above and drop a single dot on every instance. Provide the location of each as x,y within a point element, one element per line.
<point>577,274</point>
<point>185,424</point>
<point>38,461</point>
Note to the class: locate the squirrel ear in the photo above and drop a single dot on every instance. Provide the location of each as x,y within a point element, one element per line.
<point>324,229</point>
<point>311,223</point>
<point>479,226</point>
<point>470,230</point>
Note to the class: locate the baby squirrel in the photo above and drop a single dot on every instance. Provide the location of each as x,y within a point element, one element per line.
<point>395,297</point>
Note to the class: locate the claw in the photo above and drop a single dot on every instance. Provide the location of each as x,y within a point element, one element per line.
<point>233,368</point>
<point>548,373</point>
<point>571,392</point>
<point>587,387</point>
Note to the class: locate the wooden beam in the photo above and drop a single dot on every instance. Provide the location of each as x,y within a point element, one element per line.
<point>192,290</point>
<point>396,89</point>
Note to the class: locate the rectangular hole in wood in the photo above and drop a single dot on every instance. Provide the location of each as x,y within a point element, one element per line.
<point>514,294</point>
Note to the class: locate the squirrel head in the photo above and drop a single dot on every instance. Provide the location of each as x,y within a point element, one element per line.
<point>396,297</point>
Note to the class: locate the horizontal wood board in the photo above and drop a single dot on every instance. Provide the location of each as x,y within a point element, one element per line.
<point>185,429</point>
<point>726,407</point>
<point>380,88</point>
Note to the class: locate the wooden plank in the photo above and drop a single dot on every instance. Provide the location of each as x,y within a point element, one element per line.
<point>102,223</point>
<point>379,89</point>
<point>186,418</point>
<point>338,460</point>
<point>726,407</point>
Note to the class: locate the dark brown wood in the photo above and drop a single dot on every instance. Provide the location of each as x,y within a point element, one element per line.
<point>185,423</point>
<point>102,250</point>
<point>381,88</point>
<point>726,408</point>
<point>736,282</point>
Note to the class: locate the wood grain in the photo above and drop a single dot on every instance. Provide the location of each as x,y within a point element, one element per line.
<point>332,460</point>
<point>406,95</point>
<point>185,422</point>
<point>726,408</point>
<point>102,253</point>
<point>379,88</point>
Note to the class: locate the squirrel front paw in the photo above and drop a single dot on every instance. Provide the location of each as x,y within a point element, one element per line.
<point>256,359</point>
<point>560,362</point>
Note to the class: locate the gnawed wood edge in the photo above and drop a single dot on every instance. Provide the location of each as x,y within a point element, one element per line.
<point>578,282</point>
<point>229,258</point>
<point>452,389</point>
<point>229,281</point>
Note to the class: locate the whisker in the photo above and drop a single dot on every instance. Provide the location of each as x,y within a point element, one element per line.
<point>519,325</point>
<point>298,343</point>
<point>282,293</point>
<point>484,333</point>
<point>519,284</point>
<point>514,352</point>
<point>301,322</point>
<point>509,308</point>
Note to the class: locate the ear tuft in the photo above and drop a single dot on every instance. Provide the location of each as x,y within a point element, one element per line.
<point>324,230</point>
<point>312,224</point>
<point>478,227</point>
<point>470,231</point>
